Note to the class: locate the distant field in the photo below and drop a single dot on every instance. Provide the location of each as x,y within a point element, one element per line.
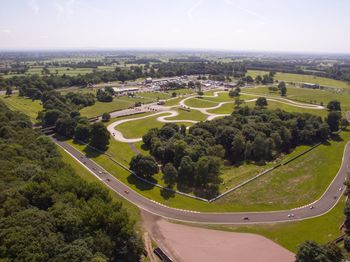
<point>25,105</point>
<point>298,78</point>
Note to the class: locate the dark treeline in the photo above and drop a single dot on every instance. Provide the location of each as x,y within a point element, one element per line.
<point>257,135</point>
<point>27,84</point>
<point>211,68</point>
<point>47,212</point>
<point>338,71</point>
<point>62,112</point>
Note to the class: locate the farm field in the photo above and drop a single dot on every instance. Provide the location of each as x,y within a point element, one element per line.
<point>298,78</point>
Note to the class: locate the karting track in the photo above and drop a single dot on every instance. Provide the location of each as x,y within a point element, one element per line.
<point>321,206</point>
<point>118,136</point>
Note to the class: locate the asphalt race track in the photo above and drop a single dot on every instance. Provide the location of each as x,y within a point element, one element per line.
<point>328,200</point>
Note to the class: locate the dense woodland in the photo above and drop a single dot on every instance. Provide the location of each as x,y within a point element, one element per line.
<point>247,135</point>
<point>47,212</point>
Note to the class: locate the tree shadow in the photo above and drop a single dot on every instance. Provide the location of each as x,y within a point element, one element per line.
<point>141,185</point>
<point>184,188</point>
<point>337,138</point>
<point>167,194</point>
<point>91,153</point>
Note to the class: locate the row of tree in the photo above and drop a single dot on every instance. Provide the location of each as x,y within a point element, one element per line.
<point>62,112</point>
<point>47,212</point>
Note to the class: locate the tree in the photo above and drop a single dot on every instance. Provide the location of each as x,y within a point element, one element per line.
<point>311,252</point>
<point>334,105</point>
<point>283,88</point>
<point>65,126</point>
<point>144,166</point>
<point>238,102</point>
<point>82,133</point>
<point>258,79</point>
<point>51,117</point>
<point>173,94</point>
<point>8,91</point>
<point>99,136</point>
<point>233,93</point>
<point>170,174</point>
<point>333,120</point>
<point>333,252</point>
<point>186,170</point>
<point>237,150</point>
<point>261,102</point>
<point>347,242</point>
<point>106,117</point>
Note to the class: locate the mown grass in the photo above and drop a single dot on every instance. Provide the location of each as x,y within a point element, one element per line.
<point>200,102</point>
<point>298,183</point>
<point>229,108</point>
<point>313,96</point>
<point>22,104</point>
<point>137,128</point>
<point>298,78</point>
<point>189,115</point>
<point>291,234</point>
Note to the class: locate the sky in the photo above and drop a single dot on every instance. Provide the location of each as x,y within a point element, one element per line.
<point>237,25</point>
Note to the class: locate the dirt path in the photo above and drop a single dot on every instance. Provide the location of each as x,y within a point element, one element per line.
<point>184,243</point>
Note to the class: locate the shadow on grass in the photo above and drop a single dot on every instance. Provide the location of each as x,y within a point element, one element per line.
<point>141,185</point>
<point>337,137</point>
<point>167,194</point>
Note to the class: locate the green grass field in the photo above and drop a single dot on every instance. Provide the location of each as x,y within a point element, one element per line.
<point>189,115</point>
<point>312,96</point>
<point>138,128</point>
<point>228,108</point>
<point>295,184</point>
<point>288,187</point>
<point>297,78</point>
<point>291,234</point>
<point>200,102</point>
<point>25,105</point>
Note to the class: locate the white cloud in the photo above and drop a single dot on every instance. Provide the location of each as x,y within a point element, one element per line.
<point>34,6</point>
<point>5,31</point>
<point>192,9</point>
<point>259,17</point>
<point>65,8</point>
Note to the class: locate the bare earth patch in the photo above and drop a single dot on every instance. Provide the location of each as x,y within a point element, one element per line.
<point>184,243</point>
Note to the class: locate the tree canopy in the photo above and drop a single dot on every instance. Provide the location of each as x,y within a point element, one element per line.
<point>47,212</point>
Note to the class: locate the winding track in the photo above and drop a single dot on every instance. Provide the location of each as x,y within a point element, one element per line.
<point>210,116</point>
<point>321,206</point>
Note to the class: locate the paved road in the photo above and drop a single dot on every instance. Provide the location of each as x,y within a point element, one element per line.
<point>321,206</point>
